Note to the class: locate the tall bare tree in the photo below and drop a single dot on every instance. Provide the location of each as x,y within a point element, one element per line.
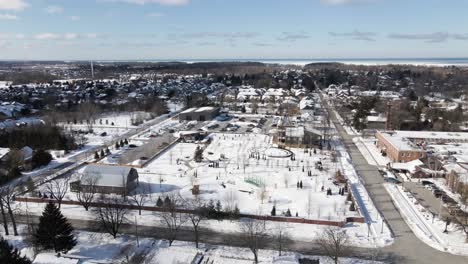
<point>172,217</point>
<point>4,216</point>
<point>89,111</point>
<point>281,236</point>
<point>7,195</point>
<point>111,214</point>
<point>58,188</point>
<point>87,190</point>
<point>333,243</point>
<point>253,235</point>
<point>230,200</point>
<point>142,197</point>
<point>195,217</point>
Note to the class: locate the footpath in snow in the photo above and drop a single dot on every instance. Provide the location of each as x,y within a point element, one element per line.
<point>377,228</point>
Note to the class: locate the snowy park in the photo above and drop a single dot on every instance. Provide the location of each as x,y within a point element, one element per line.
<point>249,172</point>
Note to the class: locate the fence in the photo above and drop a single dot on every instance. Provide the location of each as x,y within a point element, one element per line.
<point>161,209</point>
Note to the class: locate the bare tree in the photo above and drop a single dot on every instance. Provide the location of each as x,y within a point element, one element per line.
<point>334,242</point>
<point>4,218</point>
<point>7,196</point>
<point>285,180</point>
<point>89,112</point>
<point>263,193</point>
<point>309,204</point>
<point>87,190</point>
<point>230,200</point>
<point>172,217</point>
<point>111,214</point>
<point>254,235</point>
<point>195,217</point>
<point>281,237</point>
<point>142,197</point>
<point>58,188</point>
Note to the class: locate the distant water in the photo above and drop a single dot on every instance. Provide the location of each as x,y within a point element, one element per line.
<point>375,61</point>
<point>442,62</point>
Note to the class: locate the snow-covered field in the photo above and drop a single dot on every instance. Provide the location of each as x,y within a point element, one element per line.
<point>113,125</point>
<point>253,184</point>
<point>102,248</point>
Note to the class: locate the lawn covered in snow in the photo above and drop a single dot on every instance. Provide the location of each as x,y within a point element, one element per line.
<point>254,184</point>
<point>102,248</point>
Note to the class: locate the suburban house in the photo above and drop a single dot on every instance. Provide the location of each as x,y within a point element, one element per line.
<point>26,154</point>
<point>199,114</point>
<point>107,179</point>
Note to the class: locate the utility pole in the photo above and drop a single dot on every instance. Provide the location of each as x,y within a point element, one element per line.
<point>136,231</point>
<point>92,71</point>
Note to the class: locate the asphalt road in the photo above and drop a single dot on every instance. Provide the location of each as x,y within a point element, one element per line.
<point>224,239</point>
<point>407,247</point>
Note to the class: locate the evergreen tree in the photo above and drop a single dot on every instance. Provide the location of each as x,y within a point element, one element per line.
<point>96,155</point>
<point>10,255</point>
<point>107,151</point>
<point>159,202</point>
<point>126,142</point>
<point>54,231</point>
<point>167,201</point>
<point>117,146</point>
<point>288,213</point>
<point>273,211</point>
<point>102,153</point>
<point>218,206</point>
<point>41,158</point>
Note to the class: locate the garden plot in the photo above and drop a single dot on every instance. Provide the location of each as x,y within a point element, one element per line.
<point>253,175</point>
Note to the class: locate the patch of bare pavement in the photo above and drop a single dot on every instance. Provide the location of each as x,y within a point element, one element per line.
<point>407,248</point>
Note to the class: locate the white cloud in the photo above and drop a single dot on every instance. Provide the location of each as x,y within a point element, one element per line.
<point>155,14</point>
<point>9,36</point>
<point>435,37</point>
<point>8,17</point>
<point>13,5</point>
<point>293,36</point>
<point>356,35</point>
<point>69,36</point>
<point>66,36</point>
<point>74,18</point>
<point>46,36</point>
<point>161,2</point>
<point>54,9</point>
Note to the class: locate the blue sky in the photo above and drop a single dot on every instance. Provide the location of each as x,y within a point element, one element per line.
<point>237,29</point>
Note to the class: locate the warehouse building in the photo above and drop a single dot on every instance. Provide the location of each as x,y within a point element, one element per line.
<point>199,114</point>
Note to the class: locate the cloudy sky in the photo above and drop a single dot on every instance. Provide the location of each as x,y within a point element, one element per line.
<point>234,29</point>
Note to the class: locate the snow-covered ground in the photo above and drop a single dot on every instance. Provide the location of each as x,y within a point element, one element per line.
<point>427,227</point>
<point>102,248</point>
<point>251,180</point>
<point>176,167</point>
